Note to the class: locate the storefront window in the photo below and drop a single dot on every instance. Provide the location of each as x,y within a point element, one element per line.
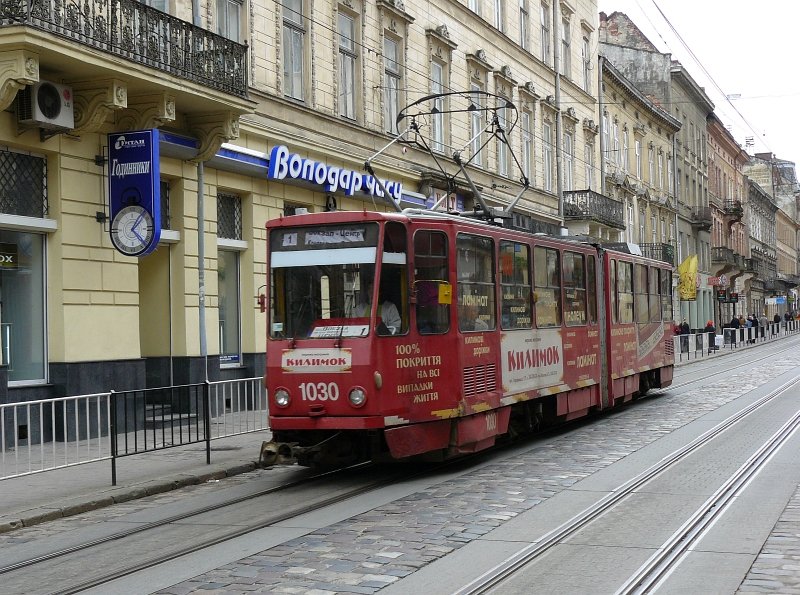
<point>22,307</point>
<point>229,314</point>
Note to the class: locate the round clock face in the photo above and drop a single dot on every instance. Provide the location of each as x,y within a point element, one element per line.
<point>132,230</point>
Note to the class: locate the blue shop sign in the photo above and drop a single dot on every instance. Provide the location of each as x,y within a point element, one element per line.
<point>134,191</point>
<point>283,165</point>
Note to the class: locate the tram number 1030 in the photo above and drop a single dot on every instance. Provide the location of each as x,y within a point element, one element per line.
<point>319,391</point>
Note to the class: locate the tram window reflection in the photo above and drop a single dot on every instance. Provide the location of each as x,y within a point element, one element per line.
<point>476,290</point>
<point>430,274</point>
<point>547,286</point>
<point>515,285</point>
<point>574,289</point>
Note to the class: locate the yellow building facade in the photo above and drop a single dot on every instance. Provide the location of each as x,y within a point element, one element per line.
<point>225,84</point>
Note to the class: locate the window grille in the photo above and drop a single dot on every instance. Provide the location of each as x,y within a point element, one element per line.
<point>23,184</point>
<point>229,216</point>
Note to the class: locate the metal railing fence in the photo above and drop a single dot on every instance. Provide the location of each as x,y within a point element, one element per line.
<point>703,344</point>
<point>40,436</point>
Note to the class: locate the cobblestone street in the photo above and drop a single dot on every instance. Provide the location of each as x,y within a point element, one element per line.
<point>369,551</point>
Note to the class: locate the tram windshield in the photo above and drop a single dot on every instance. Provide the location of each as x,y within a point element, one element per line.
<point>322,282</point>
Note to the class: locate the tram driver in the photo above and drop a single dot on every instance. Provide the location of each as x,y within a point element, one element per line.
<point>387,312</point>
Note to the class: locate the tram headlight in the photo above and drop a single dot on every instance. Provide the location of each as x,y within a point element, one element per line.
<point>357,397</point>
<point>282,397</point>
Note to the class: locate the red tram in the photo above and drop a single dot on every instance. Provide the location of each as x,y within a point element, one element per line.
<point>471,331</point>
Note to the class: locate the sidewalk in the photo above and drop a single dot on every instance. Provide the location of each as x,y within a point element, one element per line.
<point>33,499</point>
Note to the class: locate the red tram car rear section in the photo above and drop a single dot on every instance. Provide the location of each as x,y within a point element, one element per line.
<point>423,334</point>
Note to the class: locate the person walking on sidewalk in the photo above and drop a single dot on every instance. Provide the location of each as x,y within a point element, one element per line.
<point>712,335</point>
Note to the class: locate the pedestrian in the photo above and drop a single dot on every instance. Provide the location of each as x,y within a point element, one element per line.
<point>735,322</point>
<point>712,335</point>
<point>684,329</point>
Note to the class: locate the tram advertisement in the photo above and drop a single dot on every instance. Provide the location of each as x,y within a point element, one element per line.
<point>532,361</point>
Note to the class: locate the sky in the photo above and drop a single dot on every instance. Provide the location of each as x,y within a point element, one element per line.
<point>745,54</point>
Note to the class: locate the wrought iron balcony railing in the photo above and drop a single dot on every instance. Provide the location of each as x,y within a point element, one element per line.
<point>734,208</point>
<point>588,204</point>
<point>721,254</point>
<point>141,34</point>
<point>701,218</point>
<point>662,252</point>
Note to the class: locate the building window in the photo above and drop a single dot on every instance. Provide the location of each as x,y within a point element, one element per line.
<point>670,181</point>
<point>391,56</point>
<point>566,49</point>
<point>544,12</point>
<point>347,66</point>
<point>626,165</point>
<point>588,164</point>
<point>22,319</point>
<point>653,229</point>
<point>661,172</point>
<point>527,145</point>
<point>229,311</point>
<point>641,226</point>
<point>502,146</point>
<point>569,162</point>
<point>437,119</point>
<point>586,60</point>
<point>523,24</point>
<point>606,139</point>
<point>229,216</point>
<point>547,142</point>
<point>629,227</point>
<point>638,149</point>
<point>229,14</point>
<point>617,153</point>
<point>651,167</point>
<point>476,126</point>
<point>293,49</point>
<point>475,6</point>
<point>499,15</point>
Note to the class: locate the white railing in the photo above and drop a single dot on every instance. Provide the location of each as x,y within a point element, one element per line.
<point>49,434</point>
<point>702,344</point>
<point>38,436</point>
<point>237,407</point>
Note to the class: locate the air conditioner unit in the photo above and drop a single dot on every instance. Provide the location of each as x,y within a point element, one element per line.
<point>47,105</point>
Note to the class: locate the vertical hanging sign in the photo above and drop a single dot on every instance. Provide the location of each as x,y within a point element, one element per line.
<point>134,191</point>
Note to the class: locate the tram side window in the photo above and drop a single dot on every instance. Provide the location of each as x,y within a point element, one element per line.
<point>515,285</point>
<point>430,274</point>
<point>591,293</point>
<point>612,292</point>
<point>475,270</point>
<point>640,288</point>
<point>393,288</point>
<point>574,289</point>
<point>666,294</point>
<point>625,291</point>
<point>655,295</point>
<point>547,286</point>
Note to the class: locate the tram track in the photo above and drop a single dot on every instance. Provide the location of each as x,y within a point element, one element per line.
<point>392,476</point>
<point>172,520</point>
<point>670,554</point>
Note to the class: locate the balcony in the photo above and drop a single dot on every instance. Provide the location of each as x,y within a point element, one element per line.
<point>723,255</point>
<point>662,252</point>
<point>701,218</point>
<point>734,209</point>
<point>138,34</point>
<point>583,205</point>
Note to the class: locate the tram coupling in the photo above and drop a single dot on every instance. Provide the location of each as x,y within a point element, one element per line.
<point>276,453</point>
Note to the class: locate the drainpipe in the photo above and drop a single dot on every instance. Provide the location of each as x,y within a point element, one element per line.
<point>201,269</point>
<point>601,107</point>
<point>559,123</point>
